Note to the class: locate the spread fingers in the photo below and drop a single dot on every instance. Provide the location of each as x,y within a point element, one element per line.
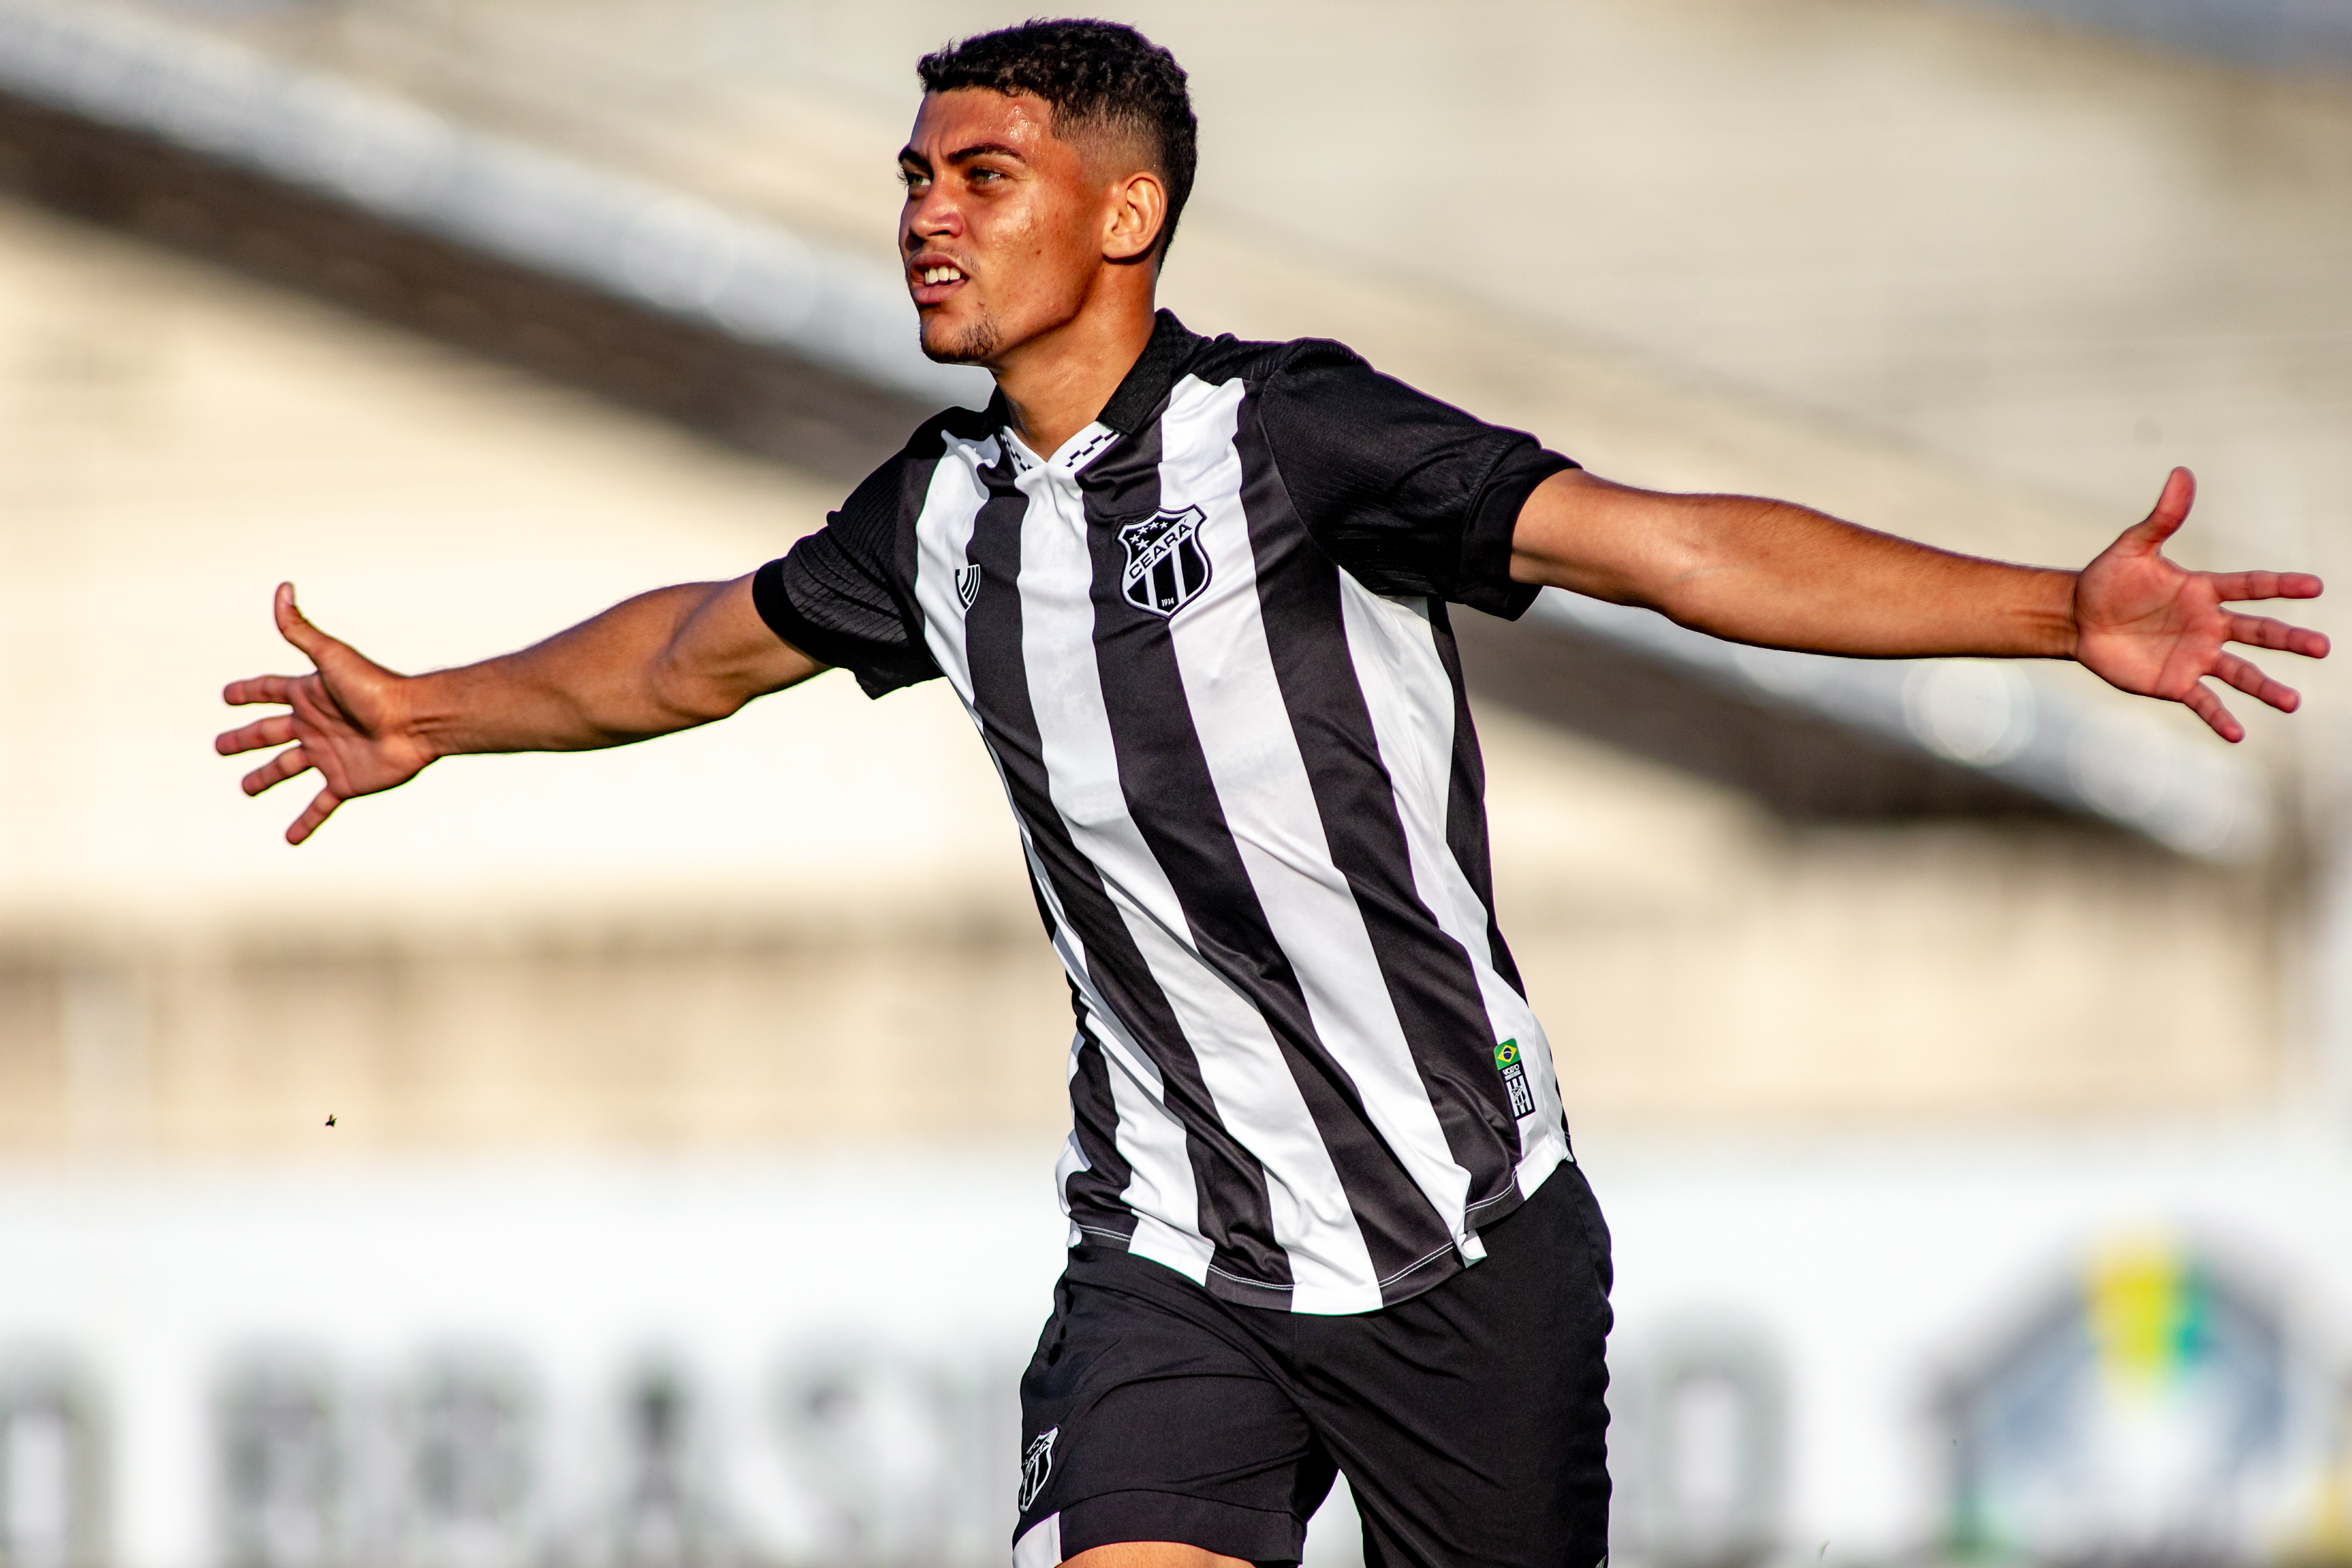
<point>322,805</point>
<point>260,689</point>
<point>2262,631</point>
<point>2248,678</point>
<point>2240,585</point>
<point>2201,702</point>
<point>276,770</point>
<point>273,731</point>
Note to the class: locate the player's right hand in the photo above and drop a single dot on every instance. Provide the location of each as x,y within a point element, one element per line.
<point>348,718</point>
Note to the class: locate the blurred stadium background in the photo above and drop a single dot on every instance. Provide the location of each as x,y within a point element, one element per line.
<point>1964,1057</point>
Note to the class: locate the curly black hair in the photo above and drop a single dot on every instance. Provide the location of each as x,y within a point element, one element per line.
<point>1098,76</point>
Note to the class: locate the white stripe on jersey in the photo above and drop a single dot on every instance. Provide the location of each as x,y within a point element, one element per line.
<point>1394,652</point>
<point>942,540</point>
<point>1269,802</point>
<point>1040,1545</point>
<point>1072,1159</point>
<point>1257,1098</point>
<point>1148,1134</point>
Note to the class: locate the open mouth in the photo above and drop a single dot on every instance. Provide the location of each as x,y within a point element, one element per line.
<point>930,280</point>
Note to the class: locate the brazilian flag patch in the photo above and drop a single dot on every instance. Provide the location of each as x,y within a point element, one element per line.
<point>1515,1078</point>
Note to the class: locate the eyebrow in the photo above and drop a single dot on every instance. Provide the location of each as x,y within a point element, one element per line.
<point>965,154</point>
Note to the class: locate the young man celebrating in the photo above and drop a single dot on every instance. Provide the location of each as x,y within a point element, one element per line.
<point>1193,593</point>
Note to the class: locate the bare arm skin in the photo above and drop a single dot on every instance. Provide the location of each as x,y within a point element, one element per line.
<point>664,660</point>
<point>1151,1555</point>
<point>1784,576</point>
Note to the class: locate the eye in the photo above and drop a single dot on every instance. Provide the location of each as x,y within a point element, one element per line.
<point>910,178</point>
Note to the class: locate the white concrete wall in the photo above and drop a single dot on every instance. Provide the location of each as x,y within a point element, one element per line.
<point>1871,1272</point>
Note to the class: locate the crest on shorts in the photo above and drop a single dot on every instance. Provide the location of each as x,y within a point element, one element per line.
<point>1166,567</point>
<point>1036,1466</point>
<point>967,581</point>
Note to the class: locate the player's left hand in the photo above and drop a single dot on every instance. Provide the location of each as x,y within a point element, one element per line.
<point>2150,627</point>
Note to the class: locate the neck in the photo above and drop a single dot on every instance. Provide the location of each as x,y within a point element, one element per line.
<point>1058,382</point>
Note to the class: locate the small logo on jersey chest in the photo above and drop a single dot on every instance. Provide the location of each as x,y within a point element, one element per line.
<point>1166,567</point>
<point>1036,1466</point>
<point>1515,1078</point>
<point>967,581</point>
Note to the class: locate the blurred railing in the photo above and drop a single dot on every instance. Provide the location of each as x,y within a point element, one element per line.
<point>663,251</point>
<point>1996,720</point>
<point>761,333</point>
<point>2290,33</point>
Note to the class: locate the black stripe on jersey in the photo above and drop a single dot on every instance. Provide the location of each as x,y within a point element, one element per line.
<point>832,596</point>
<point>1172,795</point>
<point>1098,1191</point>
<point>1095,1194</point>
<point>1234,1211</point>
<point>1001,695</point>
<point>1466,801</point>
<point>1429,979</point>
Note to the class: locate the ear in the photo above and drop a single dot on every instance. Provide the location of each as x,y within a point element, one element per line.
<point>1136,207</point>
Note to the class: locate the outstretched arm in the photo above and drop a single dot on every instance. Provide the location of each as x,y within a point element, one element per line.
<point>1784,576</point>
<point>664,660</point>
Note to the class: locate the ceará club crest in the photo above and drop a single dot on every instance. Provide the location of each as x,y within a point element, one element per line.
<point>1166,567</point>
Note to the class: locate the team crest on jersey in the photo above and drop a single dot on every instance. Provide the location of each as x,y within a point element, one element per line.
<point>967,581</point>
<point>1166,567</point>
<point>1036,1466</point>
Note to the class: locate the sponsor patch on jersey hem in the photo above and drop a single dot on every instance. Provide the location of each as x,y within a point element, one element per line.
<point>1515,1078</point>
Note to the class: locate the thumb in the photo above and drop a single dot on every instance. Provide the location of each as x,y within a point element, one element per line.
<point>294,627</point>
<point>2171,510</point>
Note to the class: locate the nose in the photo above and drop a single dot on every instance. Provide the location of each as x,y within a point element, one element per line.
<point>931,215</point>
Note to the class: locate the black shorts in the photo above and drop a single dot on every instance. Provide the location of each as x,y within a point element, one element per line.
<point>1469,1419</point>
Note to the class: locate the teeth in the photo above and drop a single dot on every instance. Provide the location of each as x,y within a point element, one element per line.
<point>941,275</point>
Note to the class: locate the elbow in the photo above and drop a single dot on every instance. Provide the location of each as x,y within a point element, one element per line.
<point>1680,600</point>
<point>679,699</point>
<point>1682,597</point>
<point>686,710</point>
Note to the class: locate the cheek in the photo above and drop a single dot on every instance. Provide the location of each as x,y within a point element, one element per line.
<point>1041,255</point>
<point>1011,229</point>
<point>1019,248</point>
<point>1058,249</point>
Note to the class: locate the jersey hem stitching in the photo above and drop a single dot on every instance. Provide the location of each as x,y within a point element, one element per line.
<point>1244,1280</point>
<point>1509,1196</point>
<point>1416,1266</point>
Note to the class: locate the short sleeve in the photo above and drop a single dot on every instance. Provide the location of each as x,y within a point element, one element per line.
<point>1409,495</point>
<point>842,596</point>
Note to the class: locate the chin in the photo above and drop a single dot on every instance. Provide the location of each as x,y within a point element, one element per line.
<point>961,342</point>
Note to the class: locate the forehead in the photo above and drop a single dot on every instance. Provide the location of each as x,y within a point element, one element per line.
<point>948,122</point>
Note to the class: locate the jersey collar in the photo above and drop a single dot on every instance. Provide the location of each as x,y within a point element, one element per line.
<point>1140,392</point>
<point>1154,373</point>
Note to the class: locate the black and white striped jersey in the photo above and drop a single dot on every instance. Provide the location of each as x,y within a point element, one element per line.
<point>1206,644</point>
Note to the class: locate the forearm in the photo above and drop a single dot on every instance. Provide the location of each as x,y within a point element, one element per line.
<point>1787,576</point>
<point>611,680</point>
<point>1784,575</point>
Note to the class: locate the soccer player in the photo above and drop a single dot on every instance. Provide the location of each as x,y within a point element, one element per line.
<point>1195,594</point>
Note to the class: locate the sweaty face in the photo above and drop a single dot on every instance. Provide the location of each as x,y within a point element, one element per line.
<point>1003,230</point>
